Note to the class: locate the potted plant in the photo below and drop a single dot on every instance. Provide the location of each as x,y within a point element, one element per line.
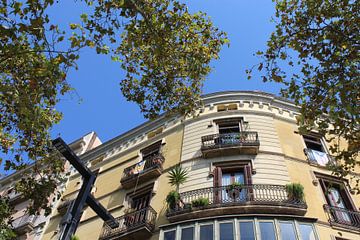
<point>295,191</point>
<point>234,190</point>
<point>172,199</point>
<point>200,202</point>
<point>74,237</point>
<point>177,176</point>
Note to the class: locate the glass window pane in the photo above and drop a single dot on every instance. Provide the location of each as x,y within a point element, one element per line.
<point>170,235</point>
<point>226,231</point>
<point>187,233</point>
<point>206,232</point>
<point>307,232</point>
<point>246,231</point>
<point>287,231</point>
<point>267,231</point>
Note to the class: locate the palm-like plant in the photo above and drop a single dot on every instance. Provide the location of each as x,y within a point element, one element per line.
<point>177,176</point>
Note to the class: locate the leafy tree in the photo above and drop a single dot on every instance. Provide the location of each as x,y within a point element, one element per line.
<point>5,229</point>
<point>314,52</point>
<point>164,49</point>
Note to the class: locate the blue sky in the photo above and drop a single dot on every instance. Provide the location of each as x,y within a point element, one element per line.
<point>97,105</point>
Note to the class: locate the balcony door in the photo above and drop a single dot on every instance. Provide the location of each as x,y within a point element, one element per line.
<point>139,203</point>
<point>229,179</point>
<point>225,175</point>
<point>338,198</point>
<point>149,153</point>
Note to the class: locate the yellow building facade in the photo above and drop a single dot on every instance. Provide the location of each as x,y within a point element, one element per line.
<point>244,159</point>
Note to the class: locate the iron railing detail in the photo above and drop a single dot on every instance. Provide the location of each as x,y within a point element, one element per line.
<point>23,220</point>
<point>145,165</point>
<point>318,158</point>
<point>145,217</point>
<point>230,140</point>
<point>263,194</point>
<point>342,216</point>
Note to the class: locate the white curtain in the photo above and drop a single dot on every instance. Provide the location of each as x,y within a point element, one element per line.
<point>225,181</point>
<point>336,201</point>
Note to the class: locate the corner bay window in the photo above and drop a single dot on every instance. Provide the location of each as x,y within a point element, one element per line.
<point>242,229</point>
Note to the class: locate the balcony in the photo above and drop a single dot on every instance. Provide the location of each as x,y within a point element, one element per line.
<point>318,158</point>
<point>136,225</point>
<point>24,224</point>
<point>228,200</point>
<point>142,171</point>
<point>229,144</point>
<point>343,217</point>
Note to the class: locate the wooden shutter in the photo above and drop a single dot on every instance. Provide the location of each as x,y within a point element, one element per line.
<point>217,184</point>
<point>248,182</point>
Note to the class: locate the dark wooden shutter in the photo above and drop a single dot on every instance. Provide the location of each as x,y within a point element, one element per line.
<point>248,182</point>
<point>217,184</point>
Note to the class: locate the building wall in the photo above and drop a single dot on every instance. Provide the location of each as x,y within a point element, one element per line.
<point>280,160</point>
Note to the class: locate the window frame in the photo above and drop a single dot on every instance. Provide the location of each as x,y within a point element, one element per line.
<point>205,224</point>
<point>193,226</point>
<point>276,231</point>
<point>319,137</point>
<point>297,226</point>
<point>325,181</point>
<point>293,225</point>
<point>162,234</point>
<point>226,221</point>
<point>253,224</point>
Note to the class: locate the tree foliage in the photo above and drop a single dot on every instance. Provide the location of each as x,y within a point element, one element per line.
<point>314,52</point>
<point>164,49</point>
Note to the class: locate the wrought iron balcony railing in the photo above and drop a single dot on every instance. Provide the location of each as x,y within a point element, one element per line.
<point>230,140</point>
<point>342,216</point>
<point>143,219</point>
<point>256,194</point>
<point>318,158</point>
<point>145,165</point>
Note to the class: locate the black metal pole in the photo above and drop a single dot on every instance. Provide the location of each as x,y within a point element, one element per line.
<point>84,195</point>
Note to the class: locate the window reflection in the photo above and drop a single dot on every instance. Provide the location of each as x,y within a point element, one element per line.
<point>267,231</point>
<point>226,231</point>
<point>170,235</point>
<point>246,230</point>
<point>307,232</point>
<point>206,232</point>
<point>287,231</point>
<point>187,233</point>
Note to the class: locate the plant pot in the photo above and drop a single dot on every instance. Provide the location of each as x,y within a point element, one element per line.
<point>234,193</point>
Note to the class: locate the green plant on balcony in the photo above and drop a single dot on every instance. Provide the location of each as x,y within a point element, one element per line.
<point>200,202</point>
<point>295,191</point>
<point>177,176</point>
<point>173,199</point>
<point>234,189</point>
